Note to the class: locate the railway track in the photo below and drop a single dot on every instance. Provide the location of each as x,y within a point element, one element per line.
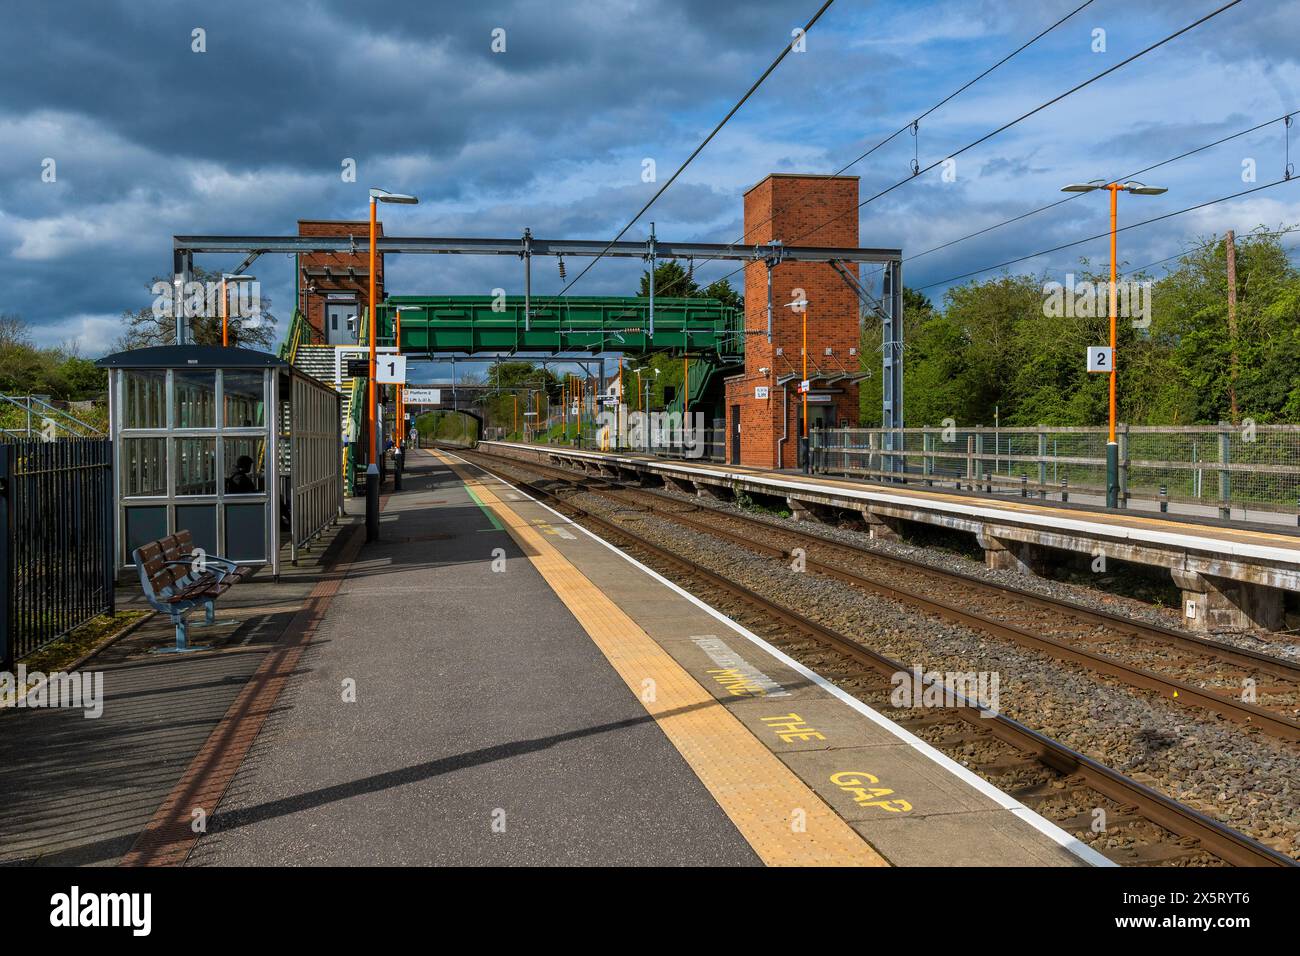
<point>1049,776</point>
<point>1143,655</point>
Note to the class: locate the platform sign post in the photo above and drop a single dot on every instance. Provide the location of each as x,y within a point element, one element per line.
<point>1101,360</point>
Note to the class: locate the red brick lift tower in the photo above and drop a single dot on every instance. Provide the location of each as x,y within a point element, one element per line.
<point>333,286</point>
<point>764,405</point>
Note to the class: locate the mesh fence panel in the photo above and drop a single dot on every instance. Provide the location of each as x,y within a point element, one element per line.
<point>1251,467</point>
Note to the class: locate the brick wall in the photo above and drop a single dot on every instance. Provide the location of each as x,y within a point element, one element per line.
<point>795,209</point>
<point>311,290</point>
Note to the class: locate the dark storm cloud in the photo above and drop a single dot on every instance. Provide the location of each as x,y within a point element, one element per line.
<point>306,84</point>
<point>152,139</point>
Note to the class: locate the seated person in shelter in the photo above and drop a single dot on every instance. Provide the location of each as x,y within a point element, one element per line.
<point>241,482</point>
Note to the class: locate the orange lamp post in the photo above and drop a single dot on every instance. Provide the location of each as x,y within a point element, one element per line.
<point>376,196</point>
<point>801,306</point>
<point>225,302</point>
<point>372,468</point>
<point>401,389</point>
<point>803,382</point>
<point>400,427</point>
<point>1112,445</point>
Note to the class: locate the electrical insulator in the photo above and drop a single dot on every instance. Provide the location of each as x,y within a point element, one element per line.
<point>561,268</point>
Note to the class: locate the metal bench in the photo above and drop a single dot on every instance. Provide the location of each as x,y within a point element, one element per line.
<point>176,579</point>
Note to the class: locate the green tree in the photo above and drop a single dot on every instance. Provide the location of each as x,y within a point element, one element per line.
<point>996,346</point>
<point>534,387</point>
<point>144,327</point>
<point>671,282</point>
<point>58,372</point>
<point>674,282</point>
<point>1190,378</point>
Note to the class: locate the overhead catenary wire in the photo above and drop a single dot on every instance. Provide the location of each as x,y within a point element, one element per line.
<point>698,149</point>
<point>902,129</point>
<point>1008,125</point>
<point>1073,196</point>
<point>1205,245</point>
<point>1101,235</point>
<point>1037,109</point>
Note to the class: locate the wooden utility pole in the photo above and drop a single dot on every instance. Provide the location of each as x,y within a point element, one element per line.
<point>1230,247</point>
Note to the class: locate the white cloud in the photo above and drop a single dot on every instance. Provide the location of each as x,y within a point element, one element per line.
<point>91,334</point>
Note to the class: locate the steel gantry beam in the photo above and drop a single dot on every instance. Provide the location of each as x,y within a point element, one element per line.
<point>891,349</point>
<point>530,246</point>
<point>890,307</point>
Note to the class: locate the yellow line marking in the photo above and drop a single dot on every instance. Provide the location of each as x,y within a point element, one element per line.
<point>764,799</point>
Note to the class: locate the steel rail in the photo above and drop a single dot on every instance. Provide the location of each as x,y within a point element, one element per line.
<point>1175,690</point>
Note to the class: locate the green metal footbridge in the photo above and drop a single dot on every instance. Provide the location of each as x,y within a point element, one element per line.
<point>708,333</point>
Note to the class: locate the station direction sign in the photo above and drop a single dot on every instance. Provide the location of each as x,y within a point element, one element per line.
<point>422,396</point>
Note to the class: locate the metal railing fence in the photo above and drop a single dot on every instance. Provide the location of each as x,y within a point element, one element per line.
<point>316,482</point>
<point>1253,467</point>
<point>56,540</point>
<point>36,419</point>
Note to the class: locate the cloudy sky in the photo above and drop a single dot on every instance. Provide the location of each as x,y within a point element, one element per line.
<point>152,139</point>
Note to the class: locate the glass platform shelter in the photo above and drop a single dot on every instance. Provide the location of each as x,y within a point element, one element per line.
<point>238,446</point>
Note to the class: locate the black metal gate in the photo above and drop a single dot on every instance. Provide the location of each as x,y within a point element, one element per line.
<point>56,540</point>
<point>735,435</point>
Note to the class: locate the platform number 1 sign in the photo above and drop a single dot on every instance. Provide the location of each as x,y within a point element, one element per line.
<point>390,369</point>
<point>1100,358</point>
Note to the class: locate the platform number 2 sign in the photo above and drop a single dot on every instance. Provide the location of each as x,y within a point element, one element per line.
<point>1101,358</point>
<point>390,369</point>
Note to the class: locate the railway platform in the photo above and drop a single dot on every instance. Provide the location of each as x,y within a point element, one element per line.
<point>1231,575</point>
<point>573,707</point>
<point>489,683</point>
<point>805,772</point>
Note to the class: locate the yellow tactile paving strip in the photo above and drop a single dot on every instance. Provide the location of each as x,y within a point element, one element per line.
<point>752,786</point>
<point>1243,535</point>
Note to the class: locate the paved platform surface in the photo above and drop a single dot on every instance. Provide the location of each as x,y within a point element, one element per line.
<point>911,804</point>
<point>487,684</point>
<point>487,727</point>
<point>78,791</point>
